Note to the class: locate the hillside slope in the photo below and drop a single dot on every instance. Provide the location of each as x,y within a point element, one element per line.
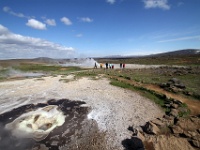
<point>180,57</point>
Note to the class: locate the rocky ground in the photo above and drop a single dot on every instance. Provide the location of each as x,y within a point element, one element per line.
<point>168,132</point>
<point>178,129</point>
<point>101,121</point>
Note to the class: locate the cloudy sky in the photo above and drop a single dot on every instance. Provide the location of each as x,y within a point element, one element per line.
<point>83,28</point>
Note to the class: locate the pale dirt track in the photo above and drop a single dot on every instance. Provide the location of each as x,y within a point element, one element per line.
<point>113,108</point>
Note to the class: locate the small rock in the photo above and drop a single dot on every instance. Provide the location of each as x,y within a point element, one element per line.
<point>174,80</point>
<point>174,112</point>
<point>158,122</point>
<point>177,130</point>
<point>175,106</point>
<point>141,136</point>
<point>169,120</point>
<point>177,102</point>
<point>189,134</point>
<point>196,143</point>
<point>167,117</point>
<point>151,128</point>
<point>196,121</point>
<point>180,85</point>
<point>193,134</point>
<point>174,89</point>
<point>167,105</point>
<point>197,137</point>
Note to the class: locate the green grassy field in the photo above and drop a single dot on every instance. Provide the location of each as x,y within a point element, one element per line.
<point>191,79</point>
<point>46,68</point>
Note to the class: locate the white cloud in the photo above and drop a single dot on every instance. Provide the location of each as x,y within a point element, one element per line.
<point>79,35</point>
<point>66,21</point>
<point>111,1</point>
<point>36,24</point>
<point>8,10</point>
<point>181,39</point>
<point>3,30</point>
<point>86,19</point>
<point>163,4</point>
<point>18,46</point>
<point>50,22</point>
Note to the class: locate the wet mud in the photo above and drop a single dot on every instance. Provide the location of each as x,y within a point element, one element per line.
<point>77,132</point>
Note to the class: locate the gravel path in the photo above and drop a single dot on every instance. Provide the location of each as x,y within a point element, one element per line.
<point>113,108</point>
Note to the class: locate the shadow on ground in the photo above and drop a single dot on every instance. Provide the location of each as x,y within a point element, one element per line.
<point>133,144</point>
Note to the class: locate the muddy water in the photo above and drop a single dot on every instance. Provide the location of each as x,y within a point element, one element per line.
<point>77,132</point>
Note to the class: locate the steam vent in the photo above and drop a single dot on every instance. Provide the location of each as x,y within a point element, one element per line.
<point>57,124</point>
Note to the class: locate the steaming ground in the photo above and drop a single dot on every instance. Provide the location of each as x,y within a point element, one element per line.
<point>114,109</point>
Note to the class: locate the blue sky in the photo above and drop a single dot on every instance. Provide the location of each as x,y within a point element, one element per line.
<point>85,28</point>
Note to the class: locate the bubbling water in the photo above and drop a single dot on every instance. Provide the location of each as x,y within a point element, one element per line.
<point>37,124</point>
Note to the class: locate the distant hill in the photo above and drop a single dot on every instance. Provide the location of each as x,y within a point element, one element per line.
<point>16,62</point>
<point>179,57</point>
<point>185,52</point>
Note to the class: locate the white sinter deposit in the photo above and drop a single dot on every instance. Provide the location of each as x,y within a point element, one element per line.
<point>114,108</point>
